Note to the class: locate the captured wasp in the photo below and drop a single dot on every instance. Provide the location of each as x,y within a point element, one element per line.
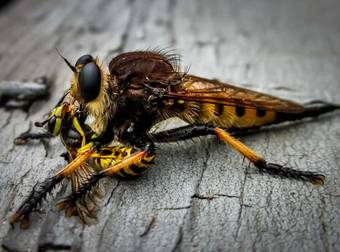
<point>139,90</point>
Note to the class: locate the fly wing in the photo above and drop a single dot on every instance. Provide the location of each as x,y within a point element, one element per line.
<point>193,88</point>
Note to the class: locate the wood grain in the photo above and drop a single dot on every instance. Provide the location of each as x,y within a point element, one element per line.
<point>200,195</point>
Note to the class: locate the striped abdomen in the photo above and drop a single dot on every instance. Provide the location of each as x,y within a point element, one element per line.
<point>112,155</point>
<point>225,116</point>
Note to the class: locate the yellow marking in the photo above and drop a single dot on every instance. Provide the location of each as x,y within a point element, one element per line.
<point>269,117</point>
<point>149,159</point>
<point>228,118</point>
<point>58,111</point>
<point>207,113</point>
<point>77,126</point>
<point>128,170</point>
<point>85,148</point>
<point>78,161</point>
<point>248,120</point>
<point>125,162</point>
<point>180,101</point>
<point>57,126</point>
<point>237,145</point>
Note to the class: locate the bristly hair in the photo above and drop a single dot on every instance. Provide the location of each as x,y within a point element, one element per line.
<point>40,191</point>
<point>85,202</point>
<point>170,55</point>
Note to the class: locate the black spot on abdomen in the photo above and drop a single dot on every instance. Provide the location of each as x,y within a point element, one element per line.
<point>240,111</point>
<point>260,112</point>
<point>219,109</point>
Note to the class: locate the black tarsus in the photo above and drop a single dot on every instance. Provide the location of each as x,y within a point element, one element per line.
<point>286,172</point>
<point>22,139</point>
<point>39,192</point>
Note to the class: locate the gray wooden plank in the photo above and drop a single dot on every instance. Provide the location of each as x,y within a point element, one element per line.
<point>201,195</point>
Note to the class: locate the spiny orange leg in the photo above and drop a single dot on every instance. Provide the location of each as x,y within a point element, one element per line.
<point>138,158</point>
<point>41,189</point>
<point>270,168</point>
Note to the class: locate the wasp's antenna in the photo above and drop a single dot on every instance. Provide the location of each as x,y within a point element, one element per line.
<point>67,62</point>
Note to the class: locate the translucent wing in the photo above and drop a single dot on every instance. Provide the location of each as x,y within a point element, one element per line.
<point>202,90</point>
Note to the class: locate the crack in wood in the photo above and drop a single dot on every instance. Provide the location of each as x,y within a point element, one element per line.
<point>179,239</point>
<point>173,208</point>
<point>213,196</point>
<point>112,192</point>
<point>148,226</point>
<point>241,203</point>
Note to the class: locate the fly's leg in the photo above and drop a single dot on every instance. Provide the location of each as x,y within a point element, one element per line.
<point>39,192</point>
<point>182,133</point>
<point>187,132</point>
<point>270,168</point>
<point>192,131</point>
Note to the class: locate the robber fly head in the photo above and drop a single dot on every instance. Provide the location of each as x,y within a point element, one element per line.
<point>88,78</point>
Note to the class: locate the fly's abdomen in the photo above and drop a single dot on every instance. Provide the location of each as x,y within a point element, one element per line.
<point>225,116</point>
<point>112,155</point>
<point>234,116</point>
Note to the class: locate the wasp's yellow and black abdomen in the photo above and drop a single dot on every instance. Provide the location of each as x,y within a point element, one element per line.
<point>110,156</point>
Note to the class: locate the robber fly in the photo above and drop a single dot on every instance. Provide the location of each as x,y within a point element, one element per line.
<point>142,88</point>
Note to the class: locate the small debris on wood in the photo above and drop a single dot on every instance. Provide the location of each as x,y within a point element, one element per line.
<point>21,94</point>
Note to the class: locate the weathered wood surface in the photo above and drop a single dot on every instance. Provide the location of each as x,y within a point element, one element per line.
<point>288,48</point>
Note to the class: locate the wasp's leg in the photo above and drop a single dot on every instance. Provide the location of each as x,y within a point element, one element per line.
<point>83,155</point>
<point>24,137</point>
<point>187,132</point>
<point>41,189</point>
<point>108,156</point>
<point>138,159</point>
<point>270,168</point>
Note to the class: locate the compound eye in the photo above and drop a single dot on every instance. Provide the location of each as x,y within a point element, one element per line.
<point>51,124</point>
<point>89,82</point>
<point>83,60</point>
